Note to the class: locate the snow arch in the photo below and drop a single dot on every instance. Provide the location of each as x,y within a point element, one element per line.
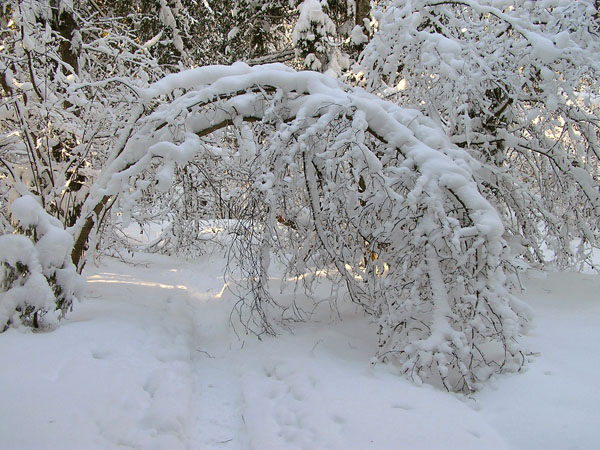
<point>348,181</point>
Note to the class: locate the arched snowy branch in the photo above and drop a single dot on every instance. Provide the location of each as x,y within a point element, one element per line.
<point>343,180</point>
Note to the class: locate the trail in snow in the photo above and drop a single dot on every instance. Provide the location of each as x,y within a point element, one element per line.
<point>554,404</point>
<point>149,361</point>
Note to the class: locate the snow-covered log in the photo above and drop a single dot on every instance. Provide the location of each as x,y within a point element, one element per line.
<point>336,178</point>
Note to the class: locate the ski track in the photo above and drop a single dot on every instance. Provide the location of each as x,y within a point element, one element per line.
<point>149,361</point>
<point>290,392</point>
<point>195,399</point>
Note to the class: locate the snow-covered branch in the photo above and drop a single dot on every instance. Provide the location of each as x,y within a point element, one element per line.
<point>514,84</point>
<point>392,208</point>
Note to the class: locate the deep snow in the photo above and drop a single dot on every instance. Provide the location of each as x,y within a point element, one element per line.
<point>148,361</point>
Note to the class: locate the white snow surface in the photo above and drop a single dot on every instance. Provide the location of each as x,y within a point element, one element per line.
<point>149,361</point>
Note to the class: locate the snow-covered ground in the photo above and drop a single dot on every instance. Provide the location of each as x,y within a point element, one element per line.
<point>148,361</point>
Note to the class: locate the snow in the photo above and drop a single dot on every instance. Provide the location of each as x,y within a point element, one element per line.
<point>357,35</point>
<point>153,41</point>
<point>544,48</point>
<point>233,33</point>
<point>31,289</point>
<point>554,404</point>
<point>15,249</point>
<point>149,361</point>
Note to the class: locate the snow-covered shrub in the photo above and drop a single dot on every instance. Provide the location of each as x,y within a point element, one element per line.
<point>331,178</point>
<point>38,282</point>
<point>516,84</point>
<point>25,296</point>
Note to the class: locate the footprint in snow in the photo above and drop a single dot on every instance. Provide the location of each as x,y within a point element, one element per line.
<point>403,406</point>
<point>100,353</point>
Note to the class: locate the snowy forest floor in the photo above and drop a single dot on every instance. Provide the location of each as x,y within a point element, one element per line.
<point>149,361</point>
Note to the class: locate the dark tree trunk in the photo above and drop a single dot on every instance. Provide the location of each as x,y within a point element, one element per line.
<point>363,11</point>
<point>66,26</point>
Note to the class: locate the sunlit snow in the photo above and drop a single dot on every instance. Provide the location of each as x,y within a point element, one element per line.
<point>148,360</point>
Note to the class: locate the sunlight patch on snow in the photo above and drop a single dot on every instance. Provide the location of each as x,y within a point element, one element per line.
<point>219,294</point>
<point>101,279</point>
<point>321,273</point>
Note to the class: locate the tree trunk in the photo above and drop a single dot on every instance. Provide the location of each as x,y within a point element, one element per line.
<point>81,240</point>
<point>65,24</point>
<point>363,11</point>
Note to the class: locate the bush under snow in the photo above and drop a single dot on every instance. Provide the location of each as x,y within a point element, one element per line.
<point>38,282</point>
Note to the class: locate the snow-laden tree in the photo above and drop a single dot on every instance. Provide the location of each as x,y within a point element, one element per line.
<point>320,175</point>
<point>332,178</point>
<point>517,85</point>
<point>313,37</point>
<point>67,87</point>
<point>328,34</point>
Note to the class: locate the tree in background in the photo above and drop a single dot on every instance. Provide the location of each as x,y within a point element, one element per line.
<point>313,38</point>
<point>515,83</point>
<point>329,34</point>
